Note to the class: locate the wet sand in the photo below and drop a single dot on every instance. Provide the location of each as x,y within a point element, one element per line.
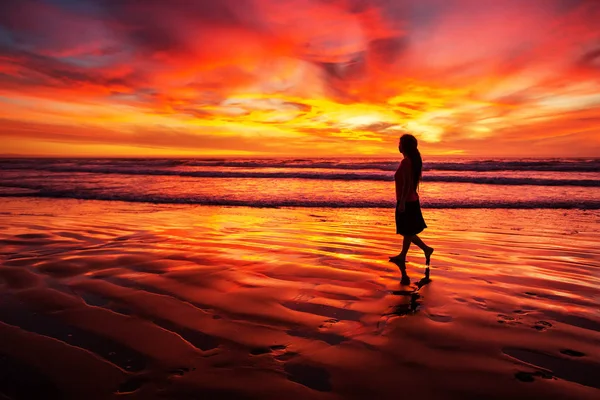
<point>103,300</point>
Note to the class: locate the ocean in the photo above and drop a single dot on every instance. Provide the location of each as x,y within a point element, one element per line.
<point>330,183</point>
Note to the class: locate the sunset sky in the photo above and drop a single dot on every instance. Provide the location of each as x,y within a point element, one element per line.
<point>299,77</point>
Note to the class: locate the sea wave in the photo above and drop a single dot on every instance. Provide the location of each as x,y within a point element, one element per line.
<point>343,176</point>
<point>391,165</point>
<point>304,203</point>
<point>558,165</point>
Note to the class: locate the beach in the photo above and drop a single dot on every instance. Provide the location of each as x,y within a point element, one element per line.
<point>111,299</point>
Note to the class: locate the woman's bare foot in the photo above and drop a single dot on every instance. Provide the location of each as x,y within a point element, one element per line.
<point>405,280</point>
<point>398,258</point>
<point>428,252</point>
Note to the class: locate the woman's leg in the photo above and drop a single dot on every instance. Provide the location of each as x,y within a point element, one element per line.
<point>426,249</point>
<point>400,259</point>
<point>417,240</point>
<point>406,241</point>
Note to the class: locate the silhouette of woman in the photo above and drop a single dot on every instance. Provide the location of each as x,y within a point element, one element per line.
<point>409,219</point>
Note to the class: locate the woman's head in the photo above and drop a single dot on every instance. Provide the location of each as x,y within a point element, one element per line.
<point>409,147</point>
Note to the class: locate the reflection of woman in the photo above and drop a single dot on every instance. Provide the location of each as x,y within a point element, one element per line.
<point>409,220</point>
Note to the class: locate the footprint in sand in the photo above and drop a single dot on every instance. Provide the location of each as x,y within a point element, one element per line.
<point>479,302</point>
<point>508,320</point>
<point>288,355</point>
<point>552,366</point>
<point>276,349</point>
<point>530,376</point>
<point>328,323</point>
<point>542,326</point>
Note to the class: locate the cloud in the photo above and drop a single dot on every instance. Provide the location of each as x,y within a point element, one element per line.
<point>165,138</point>
<point>464,75</point>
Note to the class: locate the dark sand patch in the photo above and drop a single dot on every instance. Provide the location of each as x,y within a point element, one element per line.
<point>14,312</point>
<point>311,376</point>
<point>327,337</point>
<point>75,372</point>
<point>198,339</point>
<point>584,373</point>
<point>21,381</point>
<point>18,277</point>
<point>62,268</point>
<point>572,353</point>
<point>34,236</point>
<point>524,376</point>
<point>130,385</point>
<point>574,320</point>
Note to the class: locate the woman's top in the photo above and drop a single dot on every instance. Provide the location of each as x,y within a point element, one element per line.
<point>406,189</point>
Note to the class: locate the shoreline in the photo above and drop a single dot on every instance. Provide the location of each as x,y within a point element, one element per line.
<point>21,193</point>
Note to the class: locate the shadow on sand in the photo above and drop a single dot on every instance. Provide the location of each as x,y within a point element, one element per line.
<point>408,291</point>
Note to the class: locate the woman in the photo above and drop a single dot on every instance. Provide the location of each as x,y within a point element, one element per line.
<point>409,220</point>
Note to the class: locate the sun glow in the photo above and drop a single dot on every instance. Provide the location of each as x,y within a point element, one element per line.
<point>210,78</point>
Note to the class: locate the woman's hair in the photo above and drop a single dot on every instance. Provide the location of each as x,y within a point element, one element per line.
<point>409,146</point>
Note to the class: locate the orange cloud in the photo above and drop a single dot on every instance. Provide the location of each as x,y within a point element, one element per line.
<point>305,77</point>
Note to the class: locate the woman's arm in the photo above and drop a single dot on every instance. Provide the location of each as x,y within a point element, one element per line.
<point>403,183</point>
<point>398,181</point>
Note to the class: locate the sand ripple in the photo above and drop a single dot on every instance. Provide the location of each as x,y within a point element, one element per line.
<point>174,301</point>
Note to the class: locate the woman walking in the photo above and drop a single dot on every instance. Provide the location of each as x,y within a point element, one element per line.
<point>409,219</point>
